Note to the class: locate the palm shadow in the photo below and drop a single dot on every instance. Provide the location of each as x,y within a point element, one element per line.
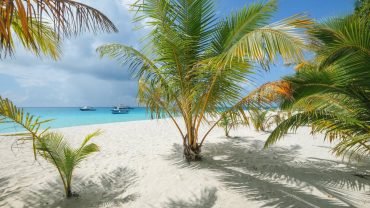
<point>4,193</point>
<point>107,190</point>
<point>274,178</point>
<point>207,199</point>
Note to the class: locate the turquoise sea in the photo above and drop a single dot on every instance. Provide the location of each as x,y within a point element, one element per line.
<point>72,116</point>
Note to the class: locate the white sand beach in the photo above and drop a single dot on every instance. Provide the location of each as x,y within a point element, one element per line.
<point>141,165</point>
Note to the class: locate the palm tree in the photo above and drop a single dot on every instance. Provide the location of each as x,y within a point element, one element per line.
<point>259,119</point>
<point>332,93</point>
<point>263,119</point>
<point>193,64</point>
<point>228,123</point>
<point>27,19</point>
<point>278,117</point>
<point>50,145</point>
<point>54,148</point>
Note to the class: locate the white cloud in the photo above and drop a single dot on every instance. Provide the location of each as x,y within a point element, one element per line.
<point>80,77</point>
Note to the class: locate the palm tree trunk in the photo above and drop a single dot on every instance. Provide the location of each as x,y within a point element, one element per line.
<point>69,192</point>
<point>192,149</point>
<point>227,130</point>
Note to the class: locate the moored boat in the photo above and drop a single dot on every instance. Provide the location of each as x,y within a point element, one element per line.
<point>123,107</point>
<point>87,108</point>
<point>120,111</point>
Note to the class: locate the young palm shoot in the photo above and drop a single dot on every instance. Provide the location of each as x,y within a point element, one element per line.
<point>259,119</point>
<point>228,123</point>
<point>277,118</point>
<point>54,148</point>
<point>50,145</point>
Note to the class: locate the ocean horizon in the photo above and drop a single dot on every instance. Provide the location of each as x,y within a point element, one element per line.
<point>72,116</point>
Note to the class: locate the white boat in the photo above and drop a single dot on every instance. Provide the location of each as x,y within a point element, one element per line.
<point>87,108</point>
<point>117,110</point>
<point>123,107</point>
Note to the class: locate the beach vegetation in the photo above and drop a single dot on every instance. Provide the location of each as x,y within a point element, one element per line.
<point>331,93</point>
<point>362,9</point>
<point>263,119</point>
<point>278,117</point>
<point>54,148</point>
<point>193,63</point>
<point>46,43</point>
<point>260,119</point>
<point>33,125</point>
<point>228,123</point>
<point>39,25</point>
<point>50,145</point>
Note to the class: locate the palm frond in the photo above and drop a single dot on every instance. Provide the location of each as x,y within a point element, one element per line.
<point>331,92</point>
<point>31,124</point>
<point>260,42</point>
<point>46,43</point>
<point>52,147</point>
<point>90,136</point>
<point>246,20</point>
<point>68,18</point>
<point>259,118</point>
<point>138,63</point>
<point>55,149</point>
<point>341,37</point>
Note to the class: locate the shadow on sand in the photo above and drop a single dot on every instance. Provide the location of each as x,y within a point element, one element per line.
<point>274,178</point>
<point>4,182</point>
<point>207,199</point>
<point>108,190</point>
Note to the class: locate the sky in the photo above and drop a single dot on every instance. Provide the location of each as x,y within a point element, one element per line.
<point>81,78</point>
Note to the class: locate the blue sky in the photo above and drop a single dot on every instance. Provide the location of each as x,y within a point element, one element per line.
<point>81,78</point>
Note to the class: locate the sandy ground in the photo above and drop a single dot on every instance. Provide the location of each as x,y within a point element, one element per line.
<point>141,165</point>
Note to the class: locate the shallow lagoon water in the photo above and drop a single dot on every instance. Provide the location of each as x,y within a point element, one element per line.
<point>72,116</point>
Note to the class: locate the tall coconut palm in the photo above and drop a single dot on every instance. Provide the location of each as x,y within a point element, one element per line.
<point>332,93</point>
<point>54,148</point>
<point>67,17</point>
<point>192,63</point>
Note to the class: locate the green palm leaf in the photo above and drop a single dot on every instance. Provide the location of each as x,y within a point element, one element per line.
<point>46,43</point>
<point>333,95</point>
<point>32,124</point>
<point>67,18</point>
<point>198,63</point>
<point>54,148</point>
